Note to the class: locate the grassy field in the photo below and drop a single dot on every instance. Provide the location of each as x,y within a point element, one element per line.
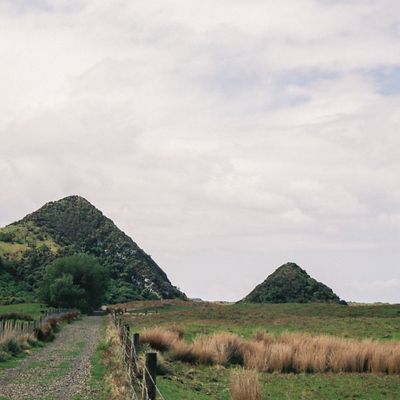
<point>32,309</point>
<point>187,381</point>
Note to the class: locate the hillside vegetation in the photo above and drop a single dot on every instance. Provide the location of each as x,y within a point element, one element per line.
<point>66,227</point>
<point>291,284</point>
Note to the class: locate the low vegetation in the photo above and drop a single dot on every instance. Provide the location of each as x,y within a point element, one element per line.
<point>32,310</point>
<point>15,340</point>
<point>286,353</point>
<point>245,385</point>
<point>117,381</point>
<point>209,325</point>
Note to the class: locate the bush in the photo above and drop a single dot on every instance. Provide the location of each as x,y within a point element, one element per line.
<point>4,356</point>
<point>77,281</point>
<point>13,347</point>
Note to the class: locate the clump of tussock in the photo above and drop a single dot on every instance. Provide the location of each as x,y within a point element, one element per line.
<point>178,330</point>
<point>244,385</point>
<point>159,339</point>
<point>289,352</point>
<point>221,348</point>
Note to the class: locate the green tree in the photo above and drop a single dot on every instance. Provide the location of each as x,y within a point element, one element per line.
<point>77,281</point>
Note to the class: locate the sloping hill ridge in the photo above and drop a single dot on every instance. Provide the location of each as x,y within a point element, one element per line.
<point>73,225</point>
<point>291,284</point>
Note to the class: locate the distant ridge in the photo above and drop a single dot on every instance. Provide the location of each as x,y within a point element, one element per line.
<point>69,226</point>
<point>291,284</point>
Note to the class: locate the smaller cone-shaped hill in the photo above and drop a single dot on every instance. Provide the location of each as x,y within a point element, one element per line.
<point>291,284</point>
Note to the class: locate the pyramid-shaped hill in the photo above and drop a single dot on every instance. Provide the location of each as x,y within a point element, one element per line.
<point>291,284</point>
<point>73,225</point>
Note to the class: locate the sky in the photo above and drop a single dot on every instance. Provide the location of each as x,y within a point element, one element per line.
<point>225,137</point>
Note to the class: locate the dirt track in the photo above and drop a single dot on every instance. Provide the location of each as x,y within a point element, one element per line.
<point>59,371</point>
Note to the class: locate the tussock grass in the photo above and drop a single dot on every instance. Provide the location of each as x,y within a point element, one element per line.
<point>244,385</point>
<point>286,353</point>
<point>159,338</point>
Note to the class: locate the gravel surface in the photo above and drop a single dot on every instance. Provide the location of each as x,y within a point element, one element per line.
<point>61,370</point>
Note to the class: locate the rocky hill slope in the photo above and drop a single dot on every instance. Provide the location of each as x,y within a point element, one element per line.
<point>69,226</point>
<point>291,284</point>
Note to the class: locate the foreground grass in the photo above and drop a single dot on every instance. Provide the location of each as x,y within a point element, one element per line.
<point>195,382</point>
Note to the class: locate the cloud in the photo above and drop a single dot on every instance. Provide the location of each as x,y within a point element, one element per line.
<point>221,136</point>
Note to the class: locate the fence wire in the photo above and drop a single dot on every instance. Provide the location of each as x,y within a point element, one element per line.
<point>130,360</point>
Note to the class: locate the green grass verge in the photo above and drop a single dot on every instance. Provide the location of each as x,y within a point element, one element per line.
<point>97,383</point>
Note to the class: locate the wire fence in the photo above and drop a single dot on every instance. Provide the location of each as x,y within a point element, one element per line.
<point>142,380</point>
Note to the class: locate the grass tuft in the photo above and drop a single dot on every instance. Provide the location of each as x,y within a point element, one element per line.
<point>244,385</point>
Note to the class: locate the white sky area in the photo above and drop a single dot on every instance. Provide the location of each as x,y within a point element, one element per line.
<point>225,137</point>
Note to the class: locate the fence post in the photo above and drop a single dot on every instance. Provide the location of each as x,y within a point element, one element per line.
<point>134,352</point>
<point>136,342</point>
<point>127,343</point>
<point>150,375</point>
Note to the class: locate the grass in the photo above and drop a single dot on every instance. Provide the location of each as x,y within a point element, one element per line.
<point>60,370</point>
<point>289,352</point>
<point>33,309</point>
<point>98,370</point>
<point>374,321</point>
<point>13,362</point>
<point>77,349</point>
<point>198,382</point>
<point>244,385</point>
<point>23,236</point>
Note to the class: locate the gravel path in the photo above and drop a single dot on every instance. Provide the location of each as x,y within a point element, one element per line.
<point>59,371</point>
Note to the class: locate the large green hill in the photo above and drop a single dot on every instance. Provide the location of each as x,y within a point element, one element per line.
<point>291,284</point>
<point>73,225</point>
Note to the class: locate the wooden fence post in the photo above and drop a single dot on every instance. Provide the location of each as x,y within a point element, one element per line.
<point>136,342</point>
<point>128,344</point>
<point>134,352</point>
<point>150,375</point>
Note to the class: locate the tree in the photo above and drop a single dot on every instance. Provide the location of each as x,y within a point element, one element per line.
<point>77,281</point>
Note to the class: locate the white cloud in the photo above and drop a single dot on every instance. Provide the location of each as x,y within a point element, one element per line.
<point>219,135</point>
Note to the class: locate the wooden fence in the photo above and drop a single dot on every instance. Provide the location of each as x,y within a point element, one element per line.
<point>23,327</point>
<point>146,379</point>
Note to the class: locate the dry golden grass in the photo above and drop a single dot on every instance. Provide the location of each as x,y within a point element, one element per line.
<point>159,338</point>
<point>286,353</point>
<point>244,385</point>
<point>116,376</point>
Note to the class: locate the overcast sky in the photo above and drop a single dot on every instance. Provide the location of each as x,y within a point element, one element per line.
<point>226,137</point>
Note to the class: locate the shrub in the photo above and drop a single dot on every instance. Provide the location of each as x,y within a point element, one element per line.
<point>77,281</point>
<point>4,356</point>
<point>13,347</point>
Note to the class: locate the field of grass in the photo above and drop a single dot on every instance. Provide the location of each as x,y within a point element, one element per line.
<point>188,381</point>
<point>32,309</point>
